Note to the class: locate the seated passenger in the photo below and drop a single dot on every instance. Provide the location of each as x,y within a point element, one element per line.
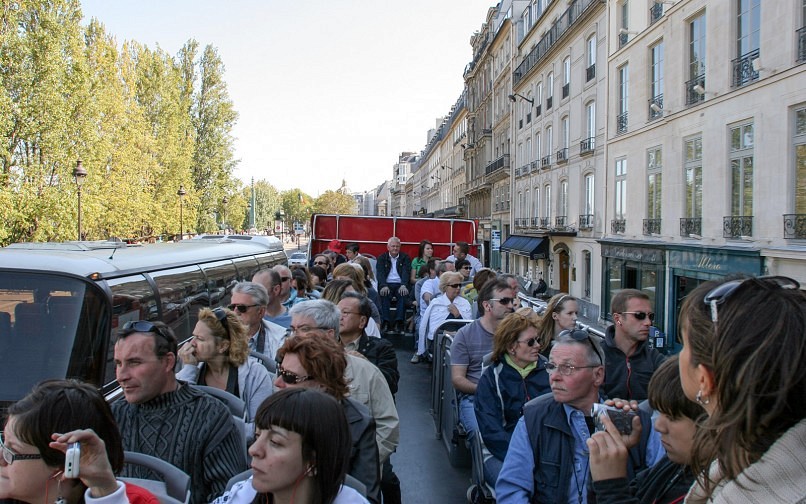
<point>517,375</point>
<point>301,455</point>
<point>312,361</point>
<point>561,315</point>
<point>34,454</point>
<point>547,460</point>
<point>670,479</point>
<point>218,356</point>
<point>355,274</point>
<point>471,290</point>
<point>335,290</point>
<point>448,306</point>
<point>249,301</point>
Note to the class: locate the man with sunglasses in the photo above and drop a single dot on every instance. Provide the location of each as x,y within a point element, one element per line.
<point>547,459</point>
<point>275,311</point>
<point>165,418</point>
<point>630,360</point>
<point>249,301</point>
<point>288,294</point>
<point>472,342</point>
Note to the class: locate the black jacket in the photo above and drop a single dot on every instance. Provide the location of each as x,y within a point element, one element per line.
<point>628,377</point>
<point>364,463</point>
<point>381,353</point>
<point>662,484</point>
<point>384,264</point>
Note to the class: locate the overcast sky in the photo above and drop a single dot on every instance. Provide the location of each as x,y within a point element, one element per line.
<point>326,89</point>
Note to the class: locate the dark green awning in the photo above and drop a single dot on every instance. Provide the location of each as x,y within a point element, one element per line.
<point>533,247</point>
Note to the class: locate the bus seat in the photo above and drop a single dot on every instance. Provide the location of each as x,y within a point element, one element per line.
<point>175,485</point>
<point>264,359</point>
<point>484,492</point>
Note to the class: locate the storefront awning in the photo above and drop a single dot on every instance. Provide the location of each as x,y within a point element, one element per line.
<point>533,247</point>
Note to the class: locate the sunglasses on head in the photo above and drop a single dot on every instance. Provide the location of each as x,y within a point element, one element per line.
<point>221,315</point>
<point>580,335</point>
<point>721,293</point>
<point>641,315</point>
<point>241,307</point>
<point>291,378</point>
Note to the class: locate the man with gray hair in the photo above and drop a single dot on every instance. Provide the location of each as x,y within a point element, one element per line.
<point>547,459</point>
<point>249,301</point>
<point>367,384</point>
<point>394,280</point>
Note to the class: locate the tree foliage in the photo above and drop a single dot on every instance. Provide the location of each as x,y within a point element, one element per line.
<point>335,202</point>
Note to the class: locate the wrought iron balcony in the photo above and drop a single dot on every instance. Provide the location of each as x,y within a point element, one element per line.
<point>549,101</point>
<point>623,38</point>
<point>651,226</point>
<point>590,72</point>
<point>499,164</point>
<point>538,110</point>
<point>487,132</point>
<point>794,226</point>
<point>546,162</point>
<point>562,155</point>
<point>655,12</point>
<point>507,205</point>
<point>621,123</point>
<point>560,222</point>
<point>656,111</point>
<point>737,226</point>
<point>535,165</point>
<point>692,96</point>
<point>566,90</point>
<point>743,72</point>
<point>528,118</point>
<point>535,221</point>
<point>618,226</point>
<point>586,221</point>
<point>544,222</point>
<point>690,226</point>
<point>520,123</point>
<point>586,146</point>
<point>801,36</point>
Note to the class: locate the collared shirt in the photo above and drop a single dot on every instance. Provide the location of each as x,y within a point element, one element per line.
<point>577,488</point>
<point>273,339</point>
<point>393,276</point>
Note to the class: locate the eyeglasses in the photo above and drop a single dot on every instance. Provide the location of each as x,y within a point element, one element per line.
<point>303,330</point>
<point>291,378</point>
<point>721,293</point>
<point>9,456</point>
<point>455,286</point>
<point>284,279</point>
<point>641,315</point>
<point>241,308</point>
<point>529,342</point>
<point>504,300</point>
<point>580,335</point>
<point>467,267</point>
<point>565,369</point>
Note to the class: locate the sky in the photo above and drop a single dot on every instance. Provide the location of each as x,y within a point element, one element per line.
<point>326,90</point>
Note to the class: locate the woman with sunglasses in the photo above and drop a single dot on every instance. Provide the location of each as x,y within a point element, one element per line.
<point>35,439</point>
<point>449,305</point>
<point>744,362</point>
<point>561,314</point>
<point>218,356</point>
<point>517,374</point>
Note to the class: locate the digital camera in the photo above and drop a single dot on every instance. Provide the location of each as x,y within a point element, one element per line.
<point>620,418</point>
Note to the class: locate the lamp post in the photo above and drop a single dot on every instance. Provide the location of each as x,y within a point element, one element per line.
<point>181,193</point>
<point>282,223</point>
<point>79,175</point>
<point>224,202</point>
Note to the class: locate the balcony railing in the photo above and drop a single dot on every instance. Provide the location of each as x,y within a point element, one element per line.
<point>549,102</point>
<point>586,221</point>
<point>590,72</point>
<point>621,123</point>
<point>500,163</point>
<point>801,36</point>
<point>538,110</point>
<point>535,165</point>
<point>618,226</point>
<point>560,222</point>
<point>655,12</point>
<point>535,221</point>
<point>743,72</point>
<point>562,155</point>
<point>544,222</point>
<point>652,226</point>
<point>528,118</point>
<point>794,226</point>
<point>546,162</point>
<point>623,38</point>
<point>520,123</point>
<point>690,226</point>
<point>566,90</point>
<point>737,226</point>
<point>487,132</point>
<point>657,110</point>
<point>586,146</point>
<point>692,96</point>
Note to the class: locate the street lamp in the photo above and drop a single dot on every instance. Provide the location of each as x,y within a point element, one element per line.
<point>224,202</point>
<point>79,175</point>
<point>282,223</point>
<point>181,193</point>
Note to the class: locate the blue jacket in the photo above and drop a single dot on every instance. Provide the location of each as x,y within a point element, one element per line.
<point>499,406</point>
<point>540,460</point>
<point>384,264</point>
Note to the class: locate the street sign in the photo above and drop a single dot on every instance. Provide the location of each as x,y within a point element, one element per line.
<point>495,239</point>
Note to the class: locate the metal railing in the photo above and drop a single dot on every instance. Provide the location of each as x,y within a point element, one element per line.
<point>618,225</point>
<point>498,164</point>
<point>801,35</point>
<point>590,72</point>
<point>538,110</point>
<point>692,96</point>
<point>794,226</point>
<point>560,222</point>
<point>621,122</point>
<point>549,102</point>
<point>655,12</point>
<point>737,226</point>
<point>586,146</point>
<point>657,110</point>
<point>562,155</point>
<point>586,221</point>
<point>544,222</point>
<point>566,90</point>
<point>690,226</point>
<point>546,162</point>
<point>743,72</point>
<point>535,221</point>
<point>652,226</point>
<point>623,38</point>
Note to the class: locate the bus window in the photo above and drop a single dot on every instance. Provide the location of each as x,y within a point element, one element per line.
<point>43,333</point>
<point>221,278</point>
<point>266,261</point>
<point>247,267</point>
<point>183,292</point>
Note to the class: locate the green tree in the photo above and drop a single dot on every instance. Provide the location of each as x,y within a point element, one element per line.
<point>267,202</point>
<point>335,202</point>
<point>297,206</point>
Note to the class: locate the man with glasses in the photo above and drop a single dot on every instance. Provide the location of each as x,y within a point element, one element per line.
<point>249,301</point>
<point>275,311</point>
<point>323,262</point>
<point>547,459</point>
<point>630,360</point>
<point>168,419</point>
<point>472,342</point>
<point>288,294</point>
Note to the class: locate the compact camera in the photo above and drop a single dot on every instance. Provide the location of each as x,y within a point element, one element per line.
<point>71,458</point>
<point>620,418</point>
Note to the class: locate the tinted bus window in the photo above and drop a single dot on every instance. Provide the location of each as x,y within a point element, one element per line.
<point>182,291</point>
<point>247,267</point>
<point>268,260</point>
<point>45,331</point>
<point>221,278</point>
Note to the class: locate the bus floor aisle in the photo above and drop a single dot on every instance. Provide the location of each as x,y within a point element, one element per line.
<point>421,461</point>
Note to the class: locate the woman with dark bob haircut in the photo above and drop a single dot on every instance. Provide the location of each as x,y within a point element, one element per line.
<point>301,452</point>
<point>33,451</point>
<point>744,362</point>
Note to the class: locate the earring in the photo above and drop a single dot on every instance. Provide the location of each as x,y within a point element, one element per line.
<point>700,400</point>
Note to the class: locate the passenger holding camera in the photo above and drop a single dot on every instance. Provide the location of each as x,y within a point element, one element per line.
<point>547,460</point>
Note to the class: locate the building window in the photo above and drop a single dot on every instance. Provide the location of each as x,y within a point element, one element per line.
<point>538,147</point>
<point>586,274</point>
<point>624,21</point>
<point>549,139</point>
<point>538,98</point>
<point>693,169</point>
<point>563,203</point>
<point>800,158</point>
<point>654,166</point>
<point>566,77</point>
<point>748,26</point>
<point>656,81</point>
<point>547,201</point>
<point>526,206</point>
<point>621,189</point>
<point>566,126</point>
<point>623,98</point>
<point>741,170</point>
<point>590,126</point>
<point>696,60</point>
<point>536,203</point>
<point>589,194</point>
<point>590,69</point>
<point>549,90</point>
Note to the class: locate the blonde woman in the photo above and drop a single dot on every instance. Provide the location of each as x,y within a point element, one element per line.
<point>450,305</point>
